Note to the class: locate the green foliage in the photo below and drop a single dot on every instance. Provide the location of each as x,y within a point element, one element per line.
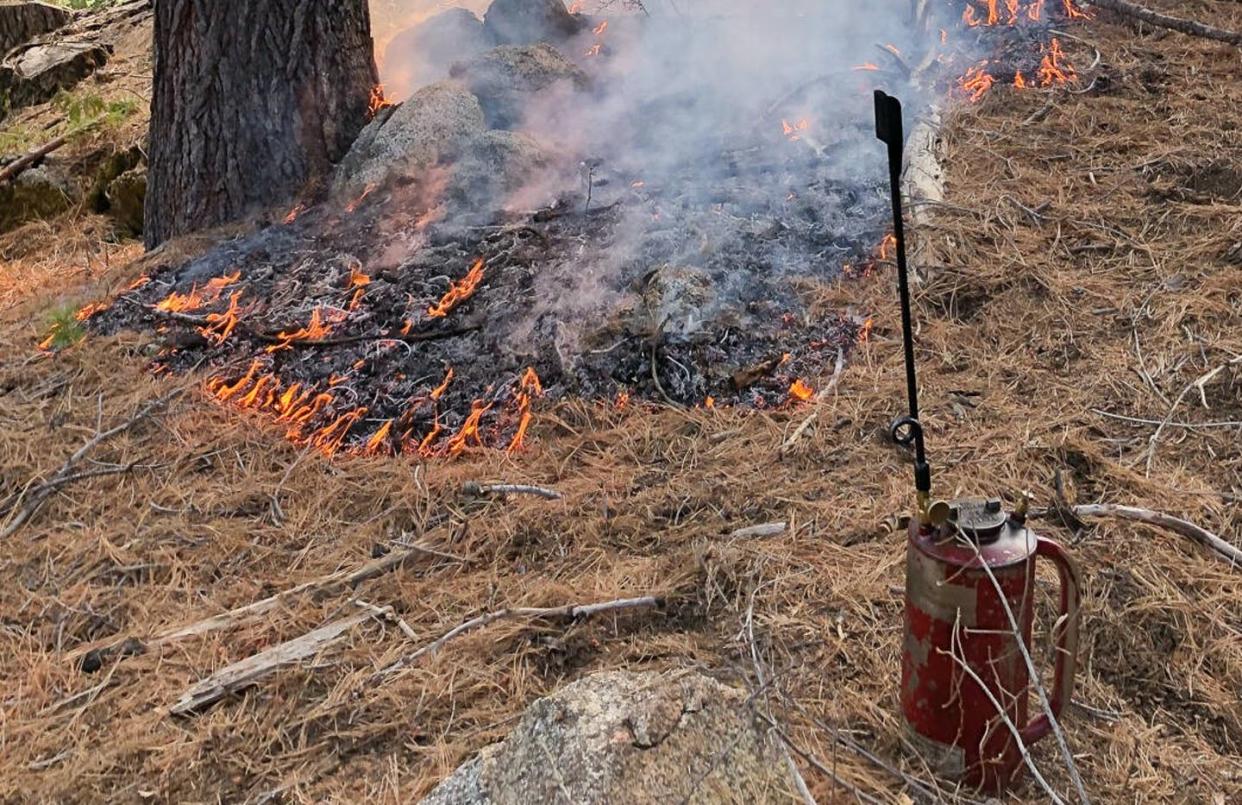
<point>63,328</point>
<point>86,109</point>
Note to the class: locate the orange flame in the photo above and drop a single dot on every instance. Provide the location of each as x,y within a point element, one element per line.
<point>794,130</point>
<point>528,387</point>
<point>90,310</point>
<point>623,400</point>
<point>469,429</point>
<point>196,298</point>
<point>801,391</point>
<point>221,325</point>
<point>866,66</point>
<point>1018,81</point>
<point>297,210</point>
<point>594,50</point>
<point>353,205</point>
<point>1035,11</point>
<point>314,330</point>
<point>1054,70</point>
<point>1073,12</point>
<point>603,26</point>
<point>439,390</point>
<point>977,81</point>
<point>378,443</point>
<point>864,333</point>
<point>458,292</point>
<point>378,101</point>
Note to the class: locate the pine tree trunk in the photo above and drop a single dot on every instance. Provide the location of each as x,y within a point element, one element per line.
<point>253,99</point>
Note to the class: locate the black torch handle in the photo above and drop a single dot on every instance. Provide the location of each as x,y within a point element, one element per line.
<point>907,430</point>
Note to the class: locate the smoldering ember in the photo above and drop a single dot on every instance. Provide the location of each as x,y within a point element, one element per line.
<point>633,212</point>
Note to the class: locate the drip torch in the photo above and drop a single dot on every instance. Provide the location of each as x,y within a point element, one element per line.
<point>969,597</point>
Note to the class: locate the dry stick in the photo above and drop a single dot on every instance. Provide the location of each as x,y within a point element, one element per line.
<point>819,398</point>
<point>245,673</point>
<point>19,166</point>
<point>574,611</point>
<point>760,531</point>
<point>36,499</point>
<point>388,615</point>
<point>858,793</point>
<point>1226,550</point>
<point>952,654</point>
<point>475,489</point>
<point>1198,384</point>
<point>1044,703</point>
<point>1189,27</point>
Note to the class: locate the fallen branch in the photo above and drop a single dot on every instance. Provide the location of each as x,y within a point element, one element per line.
<point>760,531</point>
<point>570,612</point>
<point>93,658</point>
<point>243,674</point>
<point>476,490</point>
<point>19,166</point>
<point>33,497</point>
<point>1228,551</point>
<point>1199,384</point>
<point>1188,27</point>
<point>388,615</point>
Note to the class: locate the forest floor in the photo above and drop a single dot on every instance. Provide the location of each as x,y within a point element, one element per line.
<point>1081,312</point>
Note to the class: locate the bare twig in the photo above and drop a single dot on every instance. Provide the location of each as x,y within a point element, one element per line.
<point>571,611</point>
<point>38,494</point>
<point>760,531</point>
<point>1231,553</point>
<point>475,489</point>
<point>953,654</point>
<point>388,615</point>
<point>1199,384</point>
<point>1188,27</point>
<point>1038,684</point>
<point>762,684</point>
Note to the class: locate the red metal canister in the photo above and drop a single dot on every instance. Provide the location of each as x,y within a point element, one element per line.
<point>961,665</point>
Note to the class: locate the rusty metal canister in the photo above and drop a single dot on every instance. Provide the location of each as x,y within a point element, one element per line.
<point>961,664</point>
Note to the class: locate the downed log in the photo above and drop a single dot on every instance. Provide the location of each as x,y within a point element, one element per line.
<point>19,165</point>
<point>1188,27</point>
<point>247,672</point>
<point>1229,552</point>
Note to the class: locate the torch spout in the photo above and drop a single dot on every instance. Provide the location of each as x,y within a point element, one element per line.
<point>907,430</point>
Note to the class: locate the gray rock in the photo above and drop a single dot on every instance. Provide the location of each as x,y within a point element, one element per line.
<point>434,125</point>
<point>37,193</point>
<point>126,195</point>
<point>35,74</point>
<point>424,53</point>
<point>505,78</point>
<point>524,22</point>
<point>22,22</point>
<point>495,165</point>
<point>627,737</point>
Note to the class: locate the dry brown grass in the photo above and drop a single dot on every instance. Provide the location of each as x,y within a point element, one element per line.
<point>1028,325</point>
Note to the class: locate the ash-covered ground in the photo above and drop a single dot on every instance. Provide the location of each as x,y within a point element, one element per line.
<point>647,210</point>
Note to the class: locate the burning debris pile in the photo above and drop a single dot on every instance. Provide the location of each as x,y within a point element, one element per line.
<point>630,207</point>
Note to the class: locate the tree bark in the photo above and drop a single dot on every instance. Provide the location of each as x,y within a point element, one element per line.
<point>253,99</point>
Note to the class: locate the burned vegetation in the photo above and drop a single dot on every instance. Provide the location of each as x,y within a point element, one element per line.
<point>612,218</point>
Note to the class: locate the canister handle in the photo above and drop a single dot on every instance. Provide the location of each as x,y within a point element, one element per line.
<point>1066,638</point>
